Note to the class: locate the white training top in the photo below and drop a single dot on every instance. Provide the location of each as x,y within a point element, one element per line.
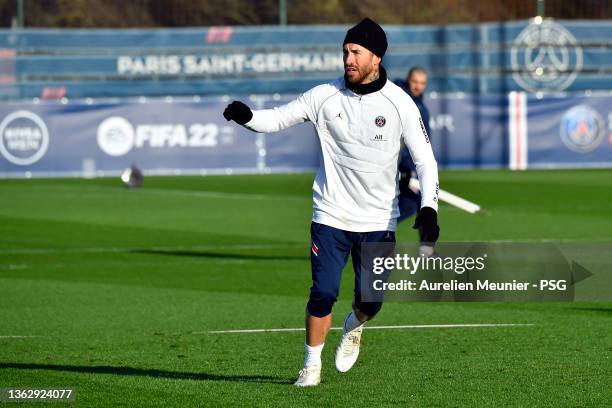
<point>356,184</point>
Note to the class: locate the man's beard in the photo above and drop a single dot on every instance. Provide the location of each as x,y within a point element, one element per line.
<point>360,78</point>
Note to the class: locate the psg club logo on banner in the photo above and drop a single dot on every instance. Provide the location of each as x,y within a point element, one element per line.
<point>582,129</point>
<point>545,56</point>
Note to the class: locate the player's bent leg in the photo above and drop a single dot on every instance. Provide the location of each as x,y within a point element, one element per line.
<point>350,342</point>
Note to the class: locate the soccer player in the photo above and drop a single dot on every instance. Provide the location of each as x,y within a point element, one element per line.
<point>361,119</point>
<point>409,201</point>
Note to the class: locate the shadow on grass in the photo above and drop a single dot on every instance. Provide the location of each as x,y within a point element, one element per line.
<point>204,254</point>
<point>143,372</point>
<point>595,309</point>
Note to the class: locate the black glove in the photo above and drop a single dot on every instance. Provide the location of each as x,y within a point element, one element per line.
<point>238,112</point>
<point>427,224</point>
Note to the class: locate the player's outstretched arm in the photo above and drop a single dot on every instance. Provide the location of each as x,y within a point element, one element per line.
<point>281,117</point>
<point>267,120</point>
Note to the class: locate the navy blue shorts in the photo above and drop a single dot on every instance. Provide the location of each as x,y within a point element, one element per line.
<point>329,252</point>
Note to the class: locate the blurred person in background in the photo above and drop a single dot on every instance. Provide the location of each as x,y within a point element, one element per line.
<point>409,201</point>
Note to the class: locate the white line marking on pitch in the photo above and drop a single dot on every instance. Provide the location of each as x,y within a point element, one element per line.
<point>17,337</point>
<point>410,326</point>
<point>187,193</point>
<point>219,194</point>
<point>155,248</point>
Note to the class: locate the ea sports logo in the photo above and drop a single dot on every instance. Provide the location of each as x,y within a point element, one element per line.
<point>582,129</point>
<point>24,138</point>
<point>545,57</point>
<point>115,136</point>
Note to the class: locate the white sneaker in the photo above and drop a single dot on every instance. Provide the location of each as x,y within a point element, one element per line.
<point>348,349</point>
<point>309,376</point>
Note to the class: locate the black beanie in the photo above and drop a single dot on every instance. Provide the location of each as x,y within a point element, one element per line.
<point>368,34</point>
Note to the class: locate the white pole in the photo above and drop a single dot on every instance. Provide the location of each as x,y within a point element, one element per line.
<point>449,198</point>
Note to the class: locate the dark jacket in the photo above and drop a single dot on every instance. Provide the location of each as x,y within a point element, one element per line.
<point>406,164</point>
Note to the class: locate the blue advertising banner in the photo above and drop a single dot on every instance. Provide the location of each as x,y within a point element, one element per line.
<point>96,139</point>
<point>467,131</point>
<point>569,132</point>
<point>190,135</point>
<point>296,148</point>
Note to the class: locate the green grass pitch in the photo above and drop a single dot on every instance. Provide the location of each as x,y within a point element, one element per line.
<point>115,290</point>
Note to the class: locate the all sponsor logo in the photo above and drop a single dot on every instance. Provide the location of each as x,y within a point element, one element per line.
<point>24,138</point>
<point>545,57</point>
<point>442,121</point>
<point>582,129</point>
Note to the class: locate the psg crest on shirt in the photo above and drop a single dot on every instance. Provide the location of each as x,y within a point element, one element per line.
<point>380,121</point>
